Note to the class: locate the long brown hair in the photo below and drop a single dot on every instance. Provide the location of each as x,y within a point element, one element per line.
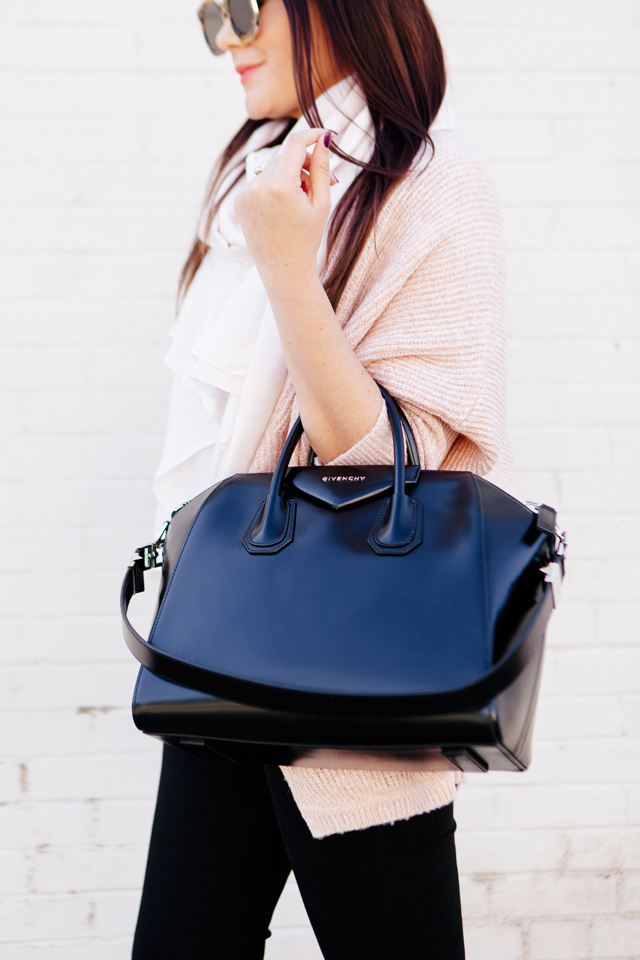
<point>392,49</point>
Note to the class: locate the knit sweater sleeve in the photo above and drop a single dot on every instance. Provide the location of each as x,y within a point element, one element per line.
<point>439,344</point>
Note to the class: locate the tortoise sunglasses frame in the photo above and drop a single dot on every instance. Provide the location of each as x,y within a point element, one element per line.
<point>212,13</point>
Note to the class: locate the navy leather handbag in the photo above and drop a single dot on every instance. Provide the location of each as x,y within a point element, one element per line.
<point>375,617</point>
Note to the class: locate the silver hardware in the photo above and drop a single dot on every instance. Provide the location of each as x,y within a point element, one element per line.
<point>554,574</point>
<point>554,571</point>
<point>151,555</point>
<point>561,536</point>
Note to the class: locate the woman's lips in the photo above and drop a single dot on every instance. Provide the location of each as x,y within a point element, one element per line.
<point>246,72</point>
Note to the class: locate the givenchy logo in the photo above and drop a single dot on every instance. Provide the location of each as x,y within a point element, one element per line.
<point>341,479</point>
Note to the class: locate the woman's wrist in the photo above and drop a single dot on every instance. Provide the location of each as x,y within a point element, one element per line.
<point>287,280</point>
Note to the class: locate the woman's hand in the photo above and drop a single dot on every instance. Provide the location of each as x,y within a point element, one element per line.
<point>282,215</point>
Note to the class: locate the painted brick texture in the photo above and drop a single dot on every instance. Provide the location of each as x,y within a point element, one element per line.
<point>112,115</point>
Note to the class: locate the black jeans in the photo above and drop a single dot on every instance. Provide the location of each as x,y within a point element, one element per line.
<point>225,837</point>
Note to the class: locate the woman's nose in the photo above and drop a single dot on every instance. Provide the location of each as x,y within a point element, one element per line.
<point>226,37</point>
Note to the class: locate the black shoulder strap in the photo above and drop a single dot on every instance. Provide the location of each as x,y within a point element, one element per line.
<point>474,696</point>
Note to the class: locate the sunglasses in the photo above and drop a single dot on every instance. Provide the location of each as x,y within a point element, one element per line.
<point>243,15</point>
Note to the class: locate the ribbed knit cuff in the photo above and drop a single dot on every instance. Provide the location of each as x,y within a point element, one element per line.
<point>375,447</point>
<point>338,801</point>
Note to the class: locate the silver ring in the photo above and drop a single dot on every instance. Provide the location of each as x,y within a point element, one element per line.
<point>258,169</point>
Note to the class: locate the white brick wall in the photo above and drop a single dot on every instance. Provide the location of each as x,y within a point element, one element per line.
<point>112,115</point>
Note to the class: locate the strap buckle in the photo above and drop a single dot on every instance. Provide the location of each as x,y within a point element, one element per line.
<point>547,523</point>
<point>554,570</point>
<point>147,558</point>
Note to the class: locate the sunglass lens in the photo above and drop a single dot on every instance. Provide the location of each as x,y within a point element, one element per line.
<point>212,21</point>
<point>242,17</point>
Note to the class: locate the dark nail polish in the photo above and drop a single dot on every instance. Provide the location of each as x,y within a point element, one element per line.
<point>327,139</point>
<point>335,178</point>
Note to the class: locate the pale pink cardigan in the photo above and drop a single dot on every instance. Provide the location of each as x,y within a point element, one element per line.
<point>423,310</point>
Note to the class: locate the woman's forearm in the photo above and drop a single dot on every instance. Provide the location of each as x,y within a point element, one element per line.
<point>283,224</point>
<point>339,401</point>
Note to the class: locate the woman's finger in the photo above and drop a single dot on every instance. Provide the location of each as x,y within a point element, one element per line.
<point>319,172</point>
<point>294,151</point>
<point>304,173</point>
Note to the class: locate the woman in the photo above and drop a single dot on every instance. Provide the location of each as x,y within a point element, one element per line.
<point>348,239</point>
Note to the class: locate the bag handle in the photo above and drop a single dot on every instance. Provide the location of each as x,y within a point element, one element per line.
<point>412,447</point>
<point>398,528</point>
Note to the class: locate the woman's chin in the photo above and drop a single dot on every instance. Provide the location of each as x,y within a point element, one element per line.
<point>261,107</point>
<point>256,106</point>
<point>255,113</point>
